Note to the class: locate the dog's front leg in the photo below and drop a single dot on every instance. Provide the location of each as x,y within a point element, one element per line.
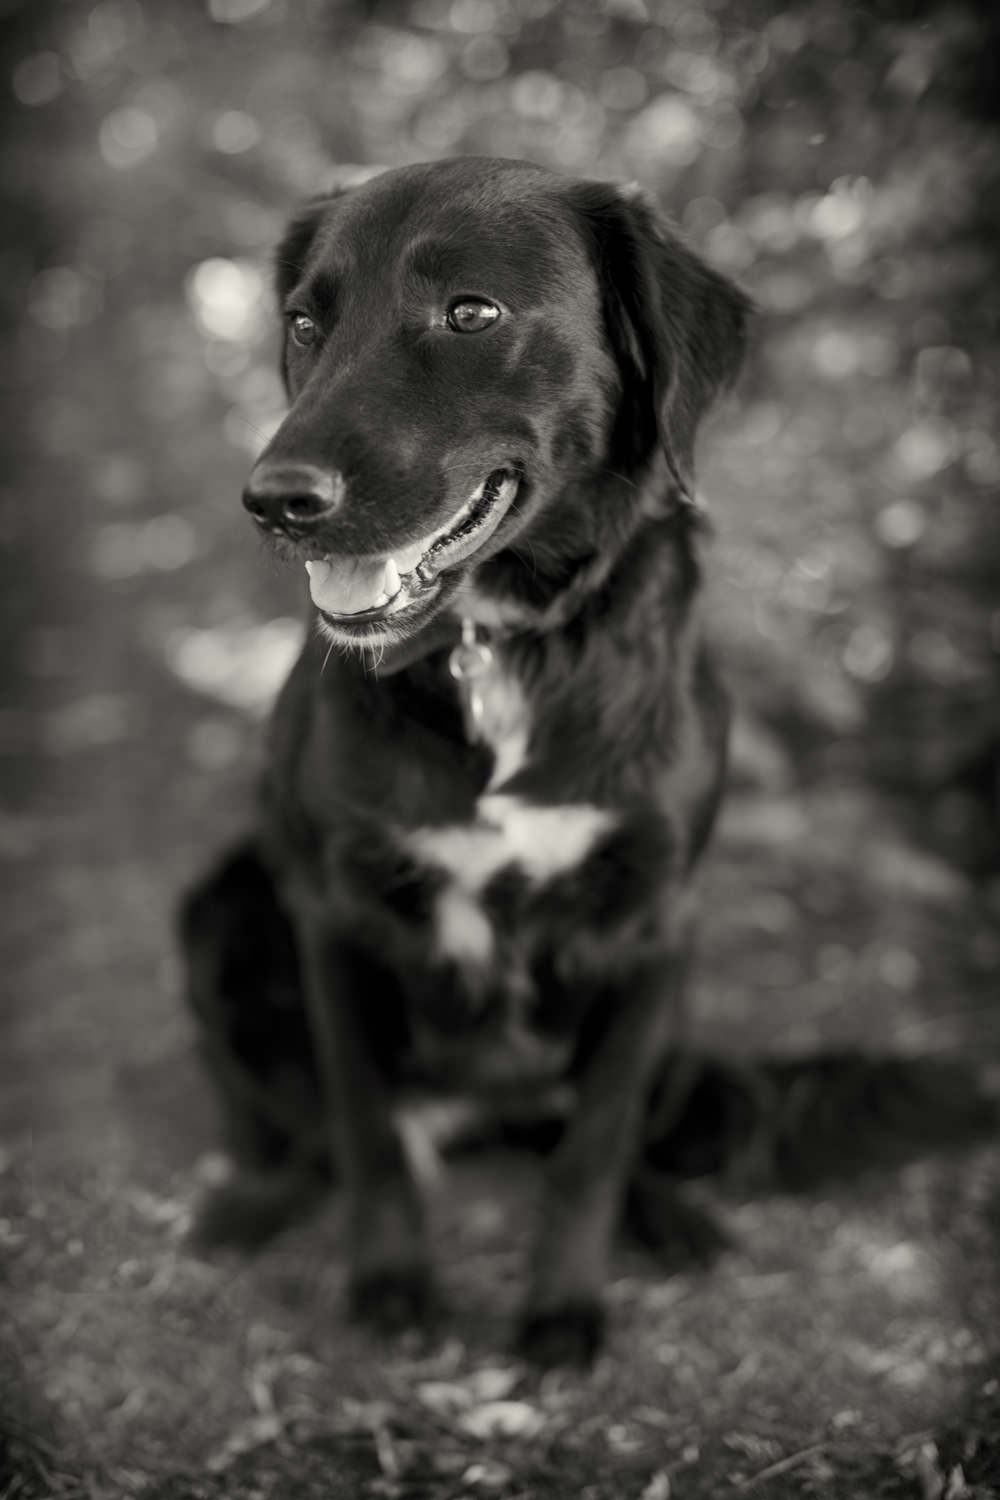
<point>563,1318</point>
<point>348,993</point>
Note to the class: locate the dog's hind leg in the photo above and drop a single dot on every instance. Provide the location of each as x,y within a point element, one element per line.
<point>797,1123</point>
<point>695,1117</point>
<point>244,990</point>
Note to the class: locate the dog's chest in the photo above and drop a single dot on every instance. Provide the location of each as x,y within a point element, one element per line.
<point>478,1017</point>
<point>510,845</point>
<point>506,836</point>
<point>491,874</point>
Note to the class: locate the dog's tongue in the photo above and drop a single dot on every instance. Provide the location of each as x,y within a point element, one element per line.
<point>349,585</point>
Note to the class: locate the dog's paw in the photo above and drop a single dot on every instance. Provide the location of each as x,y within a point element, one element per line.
<point>568,1335</point>
<point>248,1209</point>
<point>393,1299</point>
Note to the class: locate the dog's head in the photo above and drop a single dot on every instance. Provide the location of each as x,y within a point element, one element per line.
<point>484,361</point>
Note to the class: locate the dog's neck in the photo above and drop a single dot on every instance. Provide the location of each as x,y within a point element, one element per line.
<point>610,663</point>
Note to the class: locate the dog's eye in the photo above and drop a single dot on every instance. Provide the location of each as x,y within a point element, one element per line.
<point>304,330</point>
<point>472,315</point>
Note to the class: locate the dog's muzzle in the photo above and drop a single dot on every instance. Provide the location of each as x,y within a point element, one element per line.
<point>359,589</point>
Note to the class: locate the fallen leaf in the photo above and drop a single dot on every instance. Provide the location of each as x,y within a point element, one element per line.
<point>493,1383</point>
<point>503,1419</point>
<point>249,1435</point>
<point>444,1396</point>
<point>362,1416</point>
<point>488,1475</point>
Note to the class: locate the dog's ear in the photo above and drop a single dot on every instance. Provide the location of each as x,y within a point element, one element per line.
<point>677,327</point>
<point>293,250</point>
<point>290,257</point>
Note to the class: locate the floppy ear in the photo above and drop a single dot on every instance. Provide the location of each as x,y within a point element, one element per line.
<point>290,256</point>
<point>678,328</point>
<point>293,250</point>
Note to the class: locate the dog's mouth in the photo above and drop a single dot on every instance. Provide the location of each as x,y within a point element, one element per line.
<point>361,589</point>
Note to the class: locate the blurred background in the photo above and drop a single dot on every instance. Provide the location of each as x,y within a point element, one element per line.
<point>839,160</point>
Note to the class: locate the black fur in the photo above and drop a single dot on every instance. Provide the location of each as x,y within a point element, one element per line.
<point>612,340</point>
<point>676,327</point>
<point>757,1124</point>
<point>319,975</point>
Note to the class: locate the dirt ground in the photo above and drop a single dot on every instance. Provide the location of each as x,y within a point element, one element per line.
<point>847,1344</point>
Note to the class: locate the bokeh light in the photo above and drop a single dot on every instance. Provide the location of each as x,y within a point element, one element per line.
<point>127,136</point>
<point>840,160</point>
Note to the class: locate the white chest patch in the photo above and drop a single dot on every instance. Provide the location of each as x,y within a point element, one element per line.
<point>505,723</point>
<point>541,841</point>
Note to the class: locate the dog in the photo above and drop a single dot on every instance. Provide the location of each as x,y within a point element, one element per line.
<point>496,764</point>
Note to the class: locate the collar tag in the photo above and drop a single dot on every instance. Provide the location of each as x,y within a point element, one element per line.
<point>469,664</point>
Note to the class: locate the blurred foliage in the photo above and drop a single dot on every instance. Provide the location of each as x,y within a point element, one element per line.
<point>839,160</point>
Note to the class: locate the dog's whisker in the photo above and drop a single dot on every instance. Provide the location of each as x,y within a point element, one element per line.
<point>372,656</point>
<point>614,474</point>
<point>242,417</point>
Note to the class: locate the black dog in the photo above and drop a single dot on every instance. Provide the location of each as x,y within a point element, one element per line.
<point>498,759</point>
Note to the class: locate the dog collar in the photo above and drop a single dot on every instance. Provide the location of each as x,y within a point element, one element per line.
<point>470,661</point>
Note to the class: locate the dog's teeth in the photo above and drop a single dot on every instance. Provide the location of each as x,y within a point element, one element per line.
<point>351,585</point>
<point>406,558</point>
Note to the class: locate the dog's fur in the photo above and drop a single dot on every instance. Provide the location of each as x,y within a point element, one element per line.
<point>507,913</point>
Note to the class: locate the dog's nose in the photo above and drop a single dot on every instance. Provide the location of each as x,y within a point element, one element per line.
<point>292,497</point>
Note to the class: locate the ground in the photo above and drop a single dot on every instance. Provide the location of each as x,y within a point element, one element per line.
<point>851,1333</point>
<point>845,1345</point>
